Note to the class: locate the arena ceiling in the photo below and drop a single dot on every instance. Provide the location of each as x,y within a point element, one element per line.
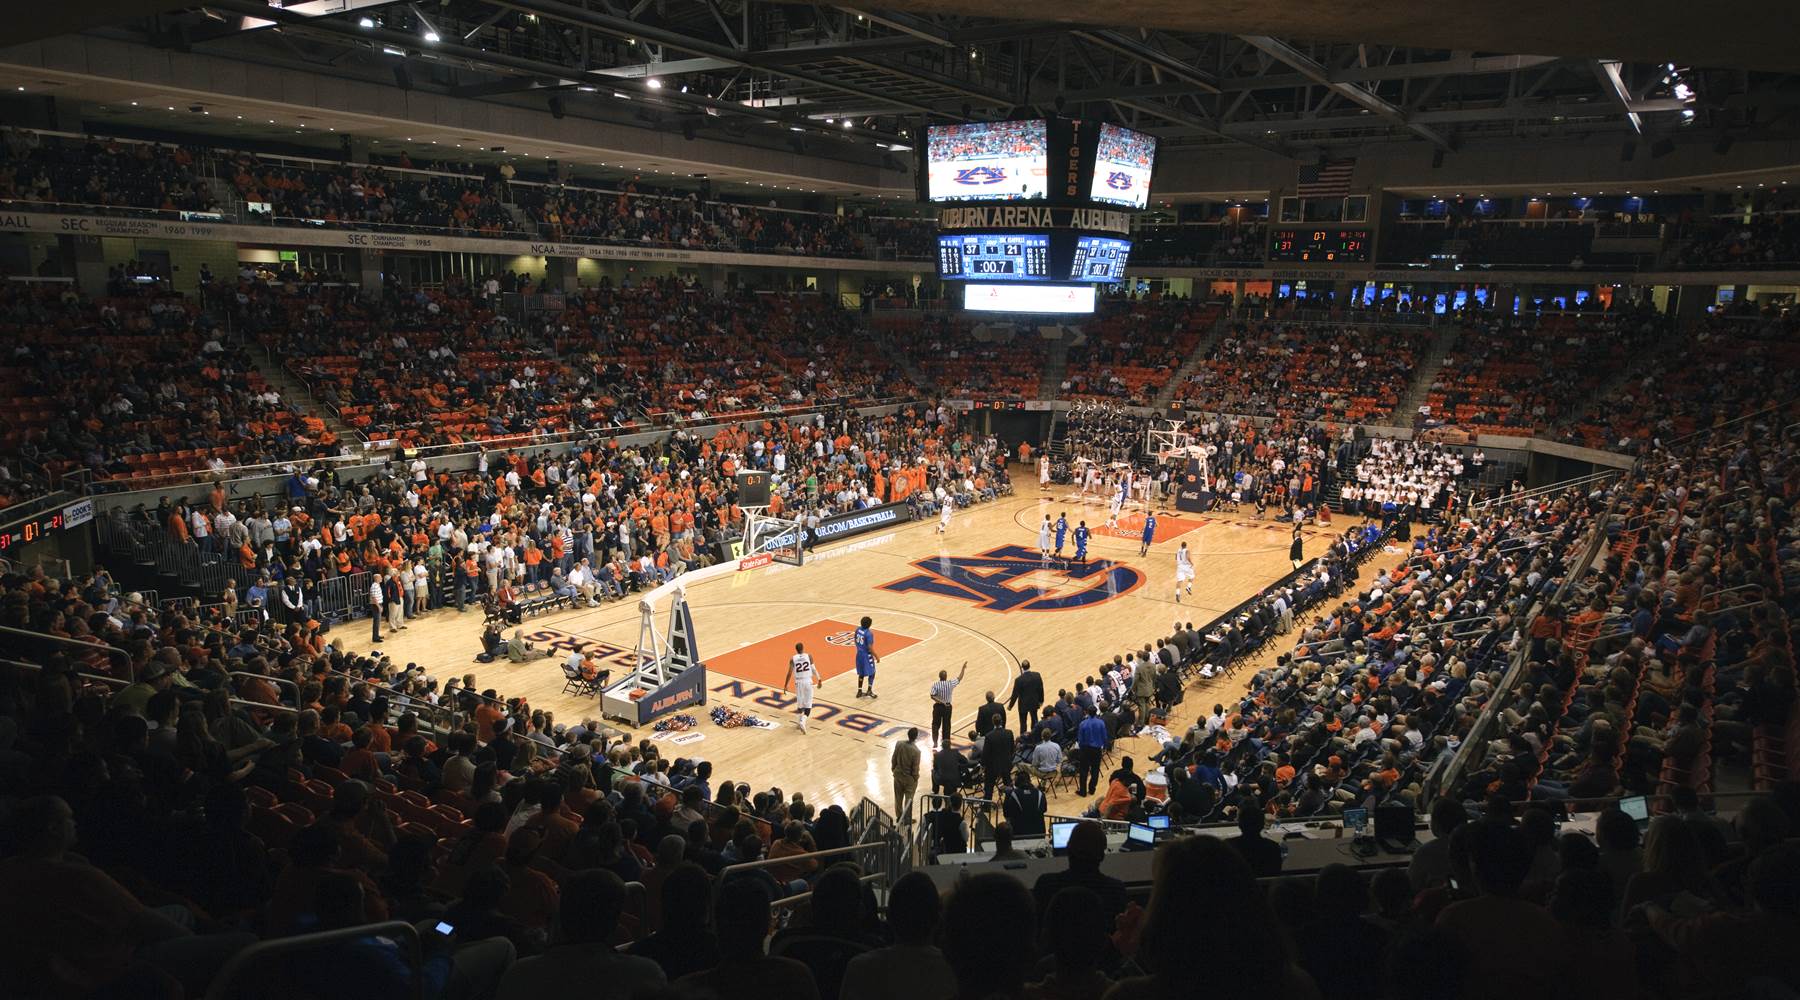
<point>1287,77</point>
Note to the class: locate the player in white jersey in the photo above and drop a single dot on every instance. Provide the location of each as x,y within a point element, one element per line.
<point>804,677</point>
<point>1091,484</point>
<point>1044,537</point>
<point>1116,504</point>
<point>1043,471</point>
<point>1184,572</point>
<point>945,511</point>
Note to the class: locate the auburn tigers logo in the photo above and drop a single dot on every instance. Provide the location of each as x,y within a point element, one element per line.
<point>1119,180</point>
<point>845,638</point>
<point>980,175</point>
<point>986,580</point>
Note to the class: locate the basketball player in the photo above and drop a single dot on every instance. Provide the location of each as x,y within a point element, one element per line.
<point>1149,533</point>
<point>1081,537</point>
<point>1044,538</point>
<point>1117,502</point>
<point>1043,470</point>
<point>1062,529</point>
<point>944,512</point>
<point>1184,572</point>
<point>1092,483</point>
<point>805,677</point>
<point>865,659</point>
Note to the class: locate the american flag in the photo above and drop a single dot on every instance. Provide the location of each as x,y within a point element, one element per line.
<point>1325,179</point>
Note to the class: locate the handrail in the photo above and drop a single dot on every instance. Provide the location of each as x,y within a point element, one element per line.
<point>1551,488</point>
<point>101,678</point>
<point>744,866</point>
<point>405,935</point>
<point>91,647</point>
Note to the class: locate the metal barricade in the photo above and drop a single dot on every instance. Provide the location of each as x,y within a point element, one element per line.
<point>342,598</point>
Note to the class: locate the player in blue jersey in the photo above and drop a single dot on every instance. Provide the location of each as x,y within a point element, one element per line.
<point>1062,528</point>
<point>865,659</point>
<point>1149,534</point>
<point>1081,537</point>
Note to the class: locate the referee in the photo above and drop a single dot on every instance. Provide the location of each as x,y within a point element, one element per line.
<point>942,691</point>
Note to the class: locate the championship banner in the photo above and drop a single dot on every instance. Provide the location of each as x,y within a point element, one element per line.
<point>1191,493</point>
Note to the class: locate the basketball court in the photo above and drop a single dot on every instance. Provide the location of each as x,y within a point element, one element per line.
<point>979,594</point>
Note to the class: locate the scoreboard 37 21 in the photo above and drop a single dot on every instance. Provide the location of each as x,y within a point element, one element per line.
<point>1321,245</point>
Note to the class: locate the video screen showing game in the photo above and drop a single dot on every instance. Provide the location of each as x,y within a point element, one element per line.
<point>1099,258</point>
<point>988,161</point>
<point>1123,160</point>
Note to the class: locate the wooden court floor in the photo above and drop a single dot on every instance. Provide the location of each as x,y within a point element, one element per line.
<point>977,594</point>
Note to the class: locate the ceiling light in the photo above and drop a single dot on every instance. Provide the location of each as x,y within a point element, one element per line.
<point>431,36</point>
<point>653,83</point>
<point>134,104</point>
<point>584,88</point>
<point>1683,92</point>
<point>171,107</point>
<point>846,123</point>
<point>621,95</point>
<point>366,22</point>
<point>684,88</point>
<point>390,50</point>
<point>795,128</point>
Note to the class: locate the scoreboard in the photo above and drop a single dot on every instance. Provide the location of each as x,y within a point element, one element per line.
<point>995,256</point>
<point>1099,258</point>
<point>1321,245</point>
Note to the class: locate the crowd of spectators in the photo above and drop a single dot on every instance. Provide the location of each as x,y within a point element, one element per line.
<point>1702,374</point>
<point>103,173</point>
<point>450,366</point>
<point>1104,433</point>
<point>971,359</point>
<point>1422,475</point>
<point>1513,375</point>
<point>1770,237</point>
<point>624,216</point>
<point>1676,649</point>
<point>1132,348</point>
<point>1306,371</point>
<point>134,383</point>
<point>460,198</point>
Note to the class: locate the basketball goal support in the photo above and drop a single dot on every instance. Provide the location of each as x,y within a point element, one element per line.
<point>669,675</point>
<point>783,539</point>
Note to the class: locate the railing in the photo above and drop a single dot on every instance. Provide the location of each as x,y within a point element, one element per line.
<point>800,897</point>
<point>1540,491</point>
<point>227,986</point>
<point>124,656</point>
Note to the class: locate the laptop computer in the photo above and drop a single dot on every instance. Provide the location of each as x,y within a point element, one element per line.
<point>1139,837</point>
<point>1059,837</point>
<point>1356,822</point>
<point>1638,808</point>
<point>1159,822</point>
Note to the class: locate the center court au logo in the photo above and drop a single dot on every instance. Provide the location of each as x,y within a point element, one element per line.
<point>986,580</point>
<point>980,175</point>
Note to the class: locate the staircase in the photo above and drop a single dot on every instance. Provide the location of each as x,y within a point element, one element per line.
<point>225,195</point>
<point>1192,362</point>
<point>521,222</point>
<point>296,395</point>
<point>1056,366</point>
<point>1424,373</point>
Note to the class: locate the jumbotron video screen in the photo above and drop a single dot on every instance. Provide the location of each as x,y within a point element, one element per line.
<point>988,161</point>
<point>1123,162</point>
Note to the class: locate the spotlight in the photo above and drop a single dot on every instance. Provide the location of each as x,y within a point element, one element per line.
<point>653,83</point>
<point>365,22</point>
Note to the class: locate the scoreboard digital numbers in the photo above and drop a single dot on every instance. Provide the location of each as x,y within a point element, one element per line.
<point>995,257</point>
<point>26,532</point>
<point>1321,245</point>
<point>1099,258</point>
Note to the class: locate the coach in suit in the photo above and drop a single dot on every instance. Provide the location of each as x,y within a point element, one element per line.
<point>905,763</point>
<point>990,716</point>
<point>997,751</point>
<point>1028,694</point>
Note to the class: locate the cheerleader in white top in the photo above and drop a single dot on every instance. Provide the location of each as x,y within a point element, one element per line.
<point>1184,572</point>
